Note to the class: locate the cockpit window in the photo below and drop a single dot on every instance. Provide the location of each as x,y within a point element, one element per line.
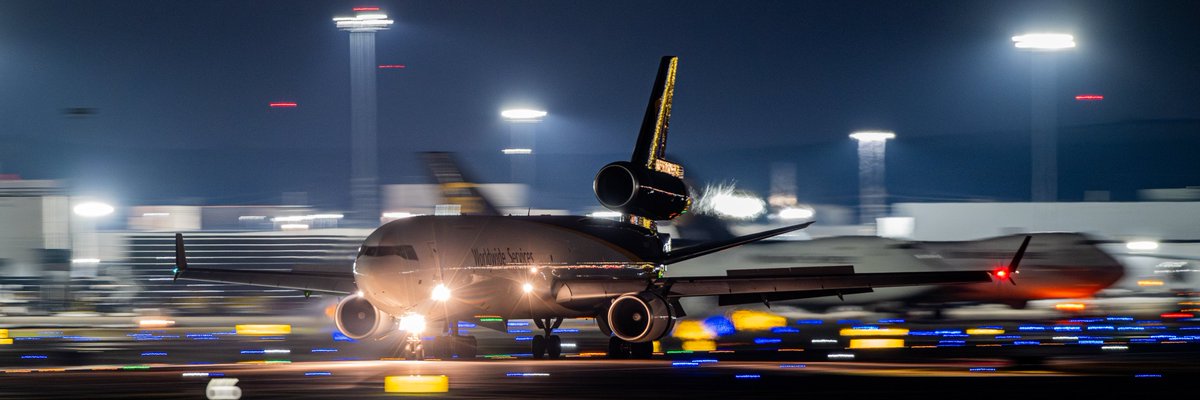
<point>404,251</point>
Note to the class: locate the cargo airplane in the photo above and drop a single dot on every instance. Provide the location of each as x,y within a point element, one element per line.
<point>431,271</point>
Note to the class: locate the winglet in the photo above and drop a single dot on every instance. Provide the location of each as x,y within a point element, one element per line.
<point>180,256</point>
<point>1016,261</point>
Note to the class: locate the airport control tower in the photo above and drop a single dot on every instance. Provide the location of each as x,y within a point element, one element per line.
<point>364,153</point>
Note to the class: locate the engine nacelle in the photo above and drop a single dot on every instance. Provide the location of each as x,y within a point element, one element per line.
<point>358,319</point>
<point>640,317</point>
<point>631,189</point>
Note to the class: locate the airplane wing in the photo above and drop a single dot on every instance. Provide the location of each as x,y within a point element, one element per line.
<point>326,282</point>
<point>764,285</point>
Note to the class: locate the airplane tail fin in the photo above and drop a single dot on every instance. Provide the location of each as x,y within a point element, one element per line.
<point>651,143</point>
<point>454,185</point>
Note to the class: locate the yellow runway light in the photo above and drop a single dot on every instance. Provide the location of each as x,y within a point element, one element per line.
<point>699,345</point>
<point>6,341</point>
<point>985,331</point>
<point>748,320</point>
<point>1070,306</point>
<point>1150,282</point>
<point>259,329</point>
<point>692,330</point>
<point>3,333</point>
<point>416,384</point>
<point>874,332</point>
<point>876,343</point>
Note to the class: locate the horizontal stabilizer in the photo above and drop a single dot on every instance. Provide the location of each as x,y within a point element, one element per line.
<point>690,252</point>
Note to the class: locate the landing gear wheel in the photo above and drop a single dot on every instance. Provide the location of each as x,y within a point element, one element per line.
<point>539,347</point>
<point>641,351</point>
<point>554,346</point>
<point>413,350</point>
<point>465,347</point>
<point>617,349</point>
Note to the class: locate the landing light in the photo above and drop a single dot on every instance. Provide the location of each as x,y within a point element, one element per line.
<point>527,287</point>
<point>441,292</point>
<point>412,323</point>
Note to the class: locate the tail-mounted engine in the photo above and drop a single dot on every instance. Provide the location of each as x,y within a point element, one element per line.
<point>630,189</point>
<point>647,187</point>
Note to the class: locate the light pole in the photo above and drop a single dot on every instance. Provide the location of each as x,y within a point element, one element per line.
<point>872,196</point>
<point>522,142</point>
<point>1043,116</point>
<point>364,153</point>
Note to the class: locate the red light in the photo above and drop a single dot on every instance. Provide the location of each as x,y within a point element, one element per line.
<point>391,66</point>
<point>282,104</point>
<point>1176,315</point>
<point>366,9</point>
<point>1089,97</point>
<point>1001,273</point>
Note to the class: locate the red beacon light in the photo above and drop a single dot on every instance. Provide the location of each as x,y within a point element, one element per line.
<point>392,66</point>
<point>1089,97</point>
<point>1001,273</point>
<point>365,9</point>
<point>282,104</point>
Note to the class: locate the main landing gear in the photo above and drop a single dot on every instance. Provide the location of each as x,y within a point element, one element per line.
<point>550,344</point>
<point>619,349</point>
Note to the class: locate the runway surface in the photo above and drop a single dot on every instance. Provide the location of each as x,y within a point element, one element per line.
<point>1109,356</point>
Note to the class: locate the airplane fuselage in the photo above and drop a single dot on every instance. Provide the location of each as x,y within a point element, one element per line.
<point>487,261</point>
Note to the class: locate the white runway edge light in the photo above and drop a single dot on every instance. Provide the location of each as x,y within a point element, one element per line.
<point>1142,245</point>
<point>441,292</point>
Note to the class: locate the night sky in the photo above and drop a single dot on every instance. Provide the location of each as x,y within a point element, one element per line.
<point>180,92</point>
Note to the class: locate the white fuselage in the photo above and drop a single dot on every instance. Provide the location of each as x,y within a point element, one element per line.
<point>486,261</point>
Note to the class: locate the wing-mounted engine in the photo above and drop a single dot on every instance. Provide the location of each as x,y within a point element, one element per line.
<point>358,319</point>
<point>641,317</point>
<point>648,187</point>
